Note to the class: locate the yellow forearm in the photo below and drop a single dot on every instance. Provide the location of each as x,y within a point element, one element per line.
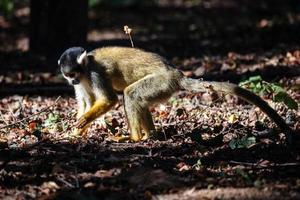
<point>100,107</point>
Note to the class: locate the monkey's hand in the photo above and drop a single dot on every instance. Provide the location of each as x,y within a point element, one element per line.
<point>120,138</point>
<point>82,122</point>
<point>100,107</point>
<point>79,132</point>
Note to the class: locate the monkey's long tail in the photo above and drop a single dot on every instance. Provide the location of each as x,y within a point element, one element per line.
<point>200,86</point>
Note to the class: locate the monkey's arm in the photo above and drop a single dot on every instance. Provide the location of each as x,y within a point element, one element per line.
<point>100,107</point>
<point>81,108</point>
<point>80,101</point>
<point>105,98</point>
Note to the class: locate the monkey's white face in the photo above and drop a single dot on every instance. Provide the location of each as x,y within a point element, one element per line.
<point>71,64</point>
<point>73,78</point>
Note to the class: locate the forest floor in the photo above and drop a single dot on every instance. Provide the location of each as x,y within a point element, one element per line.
<point>208,145</point>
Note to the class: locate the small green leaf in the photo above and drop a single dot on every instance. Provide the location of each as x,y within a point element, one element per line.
<point>255,78</point>
<point>290,103</point>
<point>244,175</point>
<point>249,141</point>
<point>51,120</point>
<point>198,165</point>
<point>65,126</point>
<point>276,88</point>
<point>280,97</point>
<point>6,7</point>
<point>233,143</point>
<point>252,85</point>
<point>286,99</point>
<point>93,3</point>
<point>244,142</point>
<point>263,90</point>
<point>246,82</point>
<point>258,86</point>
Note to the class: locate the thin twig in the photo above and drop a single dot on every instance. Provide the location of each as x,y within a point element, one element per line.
<point>264,166</point>
<point>26,118</point>
<point>127,31</point>
<point>76,178</point>
<point>2,117</point>
<point>12,114</point>
<point>66,182</point>
<point>132,45</point>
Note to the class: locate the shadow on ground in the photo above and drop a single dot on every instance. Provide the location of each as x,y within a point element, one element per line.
<point>92,169</point>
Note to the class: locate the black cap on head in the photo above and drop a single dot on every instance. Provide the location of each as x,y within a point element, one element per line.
<point>68,60</point>
<point>70,55</point>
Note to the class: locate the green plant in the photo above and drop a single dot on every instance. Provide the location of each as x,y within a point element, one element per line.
<point>198,165</point>
<point>94,3</point>
<point>6,7</point>
<point>244,175</point>
<point>244,142</point>
<point>261,87</point>
<point>51,120</point>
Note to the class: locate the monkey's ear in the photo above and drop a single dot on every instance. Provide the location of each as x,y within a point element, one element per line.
<point>81,59</point>
<point>58,62</point>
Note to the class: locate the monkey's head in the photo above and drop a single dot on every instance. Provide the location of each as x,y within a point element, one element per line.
<point>72,63</point>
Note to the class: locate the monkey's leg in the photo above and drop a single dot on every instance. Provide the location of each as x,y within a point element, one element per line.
<point>133,114</point>
<point>140,95</point>
<point>147,125</point>
<point>121,138</point>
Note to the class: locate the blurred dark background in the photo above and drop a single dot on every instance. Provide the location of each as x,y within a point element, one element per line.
<point>198,36</point>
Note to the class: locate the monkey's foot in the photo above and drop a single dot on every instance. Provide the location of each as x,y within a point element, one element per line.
<point>121,138</point>
<point>72,136</point>
<point>82,122</point>
<point>145,137</point>
<point>149,135</point>
<point>79,132</point>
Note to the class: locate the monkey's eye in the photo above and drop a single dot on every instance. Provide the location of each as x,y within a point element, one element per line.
<point>72,75</point>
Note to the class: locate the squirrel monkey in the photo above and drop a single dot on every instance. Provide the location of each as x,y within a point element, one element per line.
<point>145,80</point>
